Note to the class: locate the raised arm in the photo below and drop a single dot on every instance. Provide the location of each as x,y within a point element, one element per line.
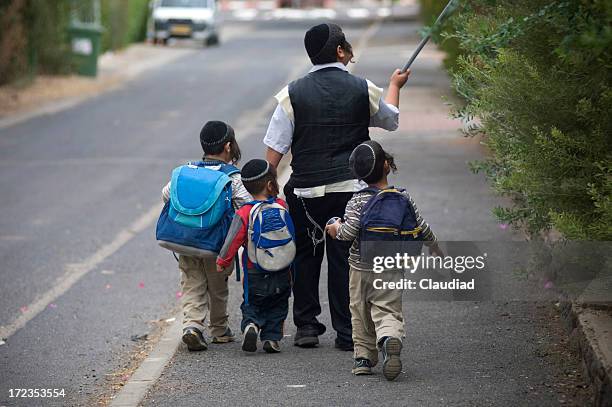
<point>398,79</point>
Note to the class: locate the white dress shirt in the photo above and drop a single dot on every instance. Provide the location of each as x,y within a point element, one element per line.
<point>280,130</point>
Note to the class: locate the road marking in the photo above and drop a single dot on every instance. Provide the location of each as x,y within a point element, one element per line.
<point>133,392</point>
<point>365,39</point>
<point>75,271</point>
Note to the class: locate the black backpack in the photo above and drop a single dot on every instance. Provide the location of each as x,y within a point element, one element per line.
<point>389,225</point>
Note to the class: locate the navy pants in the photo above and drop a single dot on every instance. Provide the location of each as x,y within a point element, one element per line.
<point>307,264</point>
<point>268,303</point>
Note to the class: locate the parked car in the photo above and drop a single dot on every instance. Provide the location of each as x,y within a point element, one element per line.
<point>197,19</point>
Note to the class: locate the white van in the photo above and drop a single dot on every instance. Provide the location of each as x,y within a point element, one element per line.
<point>197,19</point>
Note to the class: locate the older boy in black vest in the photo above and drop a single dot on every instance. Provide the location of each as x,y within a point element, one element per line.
<point>321,118</point>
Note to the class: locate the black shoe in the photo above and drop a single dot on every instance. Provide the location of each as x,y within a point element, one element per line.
<point>362,367</point>
<point>307,336</point>
<point>343,345</point>
<point>392,364</point>
<point>271,346</point>
<point>194,339</point>
<point>249,340</point>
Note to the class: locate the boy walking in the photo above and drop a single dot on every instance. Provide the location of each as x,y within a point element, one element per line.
<point>265,230</point>
<point>376,315</point>
<point>205,291</point>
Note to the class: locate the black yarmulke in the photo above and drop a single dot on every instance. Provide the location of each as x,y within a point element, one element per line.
<point>367,161</point>
<point>213,133</point>
<point>321,42</point>
<point>254,170</point>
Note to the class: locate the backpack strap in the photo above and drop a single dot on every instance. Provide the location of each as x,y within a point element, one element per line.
<point>227,169</point>
<point>372,190</point>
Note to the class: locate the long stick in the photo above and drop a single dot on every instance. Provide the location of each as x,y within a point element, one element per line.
<point>424,41</point>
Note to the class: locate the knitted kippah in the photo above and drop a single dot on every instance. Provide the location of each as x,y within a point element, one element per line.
<point>254,170</point>
<point>321,42</point>
<point>366,158</point>
<point>213,133</point>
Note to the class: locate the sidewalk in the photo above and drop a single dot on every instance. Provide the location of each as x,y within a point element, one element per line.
<point>456,353</point>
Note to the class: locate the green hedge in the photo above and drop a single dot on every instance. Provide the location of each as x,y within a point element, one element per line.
<point>537,75</point>
<point>33,38</point>
<point>125,22</point>
<point>33,33</point>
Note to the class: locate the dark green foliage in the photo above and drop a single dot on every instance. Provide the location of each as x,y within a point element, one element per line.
<point>537,74</point>
<point>125,22</point>
<point>34,33</point>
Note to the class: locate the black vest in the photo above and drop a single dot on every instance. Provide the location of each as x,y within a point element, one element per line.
<point>332,115</point>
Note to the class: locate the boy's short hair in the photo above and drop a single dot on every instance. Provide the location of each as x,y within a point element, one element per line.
<point>256,174</point>
<point>367,162</point>
<point>213,137</point>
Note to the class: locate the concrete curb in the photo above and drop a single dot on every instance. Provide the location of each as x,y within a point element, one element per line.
<point>590,333</point>
<point>150,369</point>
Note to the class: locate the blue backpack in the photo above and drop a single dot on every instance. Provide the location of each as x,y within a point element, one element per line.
<point>197,218</point>
<point>389,225</point>
<point>271,236</point>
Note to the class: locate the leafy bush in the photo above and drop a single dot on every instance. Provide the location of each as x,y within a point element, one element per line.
<point>32,38</point>
<point>34,35</point>
<point>125,22</point>
<point>537,76</point>
<point>13,58</point>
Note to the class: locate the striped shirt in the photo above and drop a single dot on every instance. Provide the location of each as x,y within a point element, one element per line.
<point>349,228</point>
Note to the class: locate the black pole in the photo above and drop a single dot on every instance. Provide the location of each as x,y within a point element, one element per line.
<point>424,41</point>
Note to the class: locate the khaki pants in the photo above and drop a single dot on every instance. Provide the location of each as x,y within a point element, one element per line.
<point>374,313</point>
<point>204,290</point>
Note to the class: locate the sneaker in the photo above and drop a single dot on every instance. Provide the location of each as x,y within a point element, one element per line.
<point>392,364</point>
<point>308,335</point>
<point>271,346</point>
<point>249,338</point>
<point>194,339</point>
<point>362,367</point>
<point>228,336</point>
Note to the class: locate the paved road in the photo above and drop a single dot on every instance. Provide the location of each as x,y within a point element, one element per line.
<point>80,191</point>
<point>457,353</point>
<point>75,182</point>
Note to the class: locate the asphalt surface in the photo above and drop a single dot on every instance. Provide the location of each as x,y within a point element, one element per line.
<point>74,181</point>
<point>502,351</point>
